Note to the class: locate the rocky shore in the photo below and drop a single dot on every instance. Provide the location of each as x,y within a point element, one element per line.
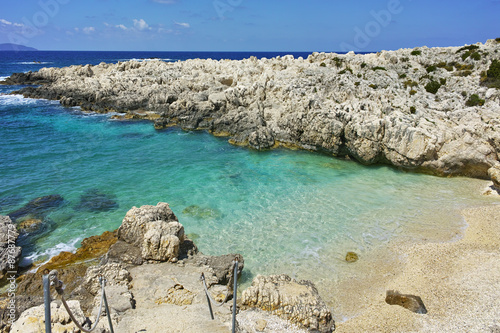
<point>434,110</point>
<point>153,284</point>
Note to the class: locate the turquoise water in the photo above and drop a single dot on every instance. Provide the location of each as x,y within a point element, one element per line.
<point>281,209</point>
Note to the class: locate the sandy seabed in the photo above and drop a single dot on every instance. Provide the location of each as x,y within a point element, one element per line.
<point>458,281</point>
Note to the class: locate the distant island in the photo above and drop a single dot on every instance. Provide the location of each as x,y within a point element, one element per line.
<point>15,47</point>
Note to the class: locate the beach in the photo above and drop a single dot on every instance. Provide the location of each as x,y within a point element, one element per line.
<point>458,281</point>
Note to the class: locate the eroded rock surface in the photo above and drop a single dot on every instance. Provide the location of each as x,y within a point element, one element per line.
<point>296,301</point>
<point>415,110</point>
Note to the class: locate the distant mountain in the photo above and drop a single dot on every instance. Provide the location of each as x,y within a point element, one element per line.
<point>15,47</point>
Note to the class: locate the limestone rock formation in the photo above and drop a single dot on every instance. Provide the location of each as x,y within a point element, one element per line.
<point>413,112</point>
<point>10,254</point>
<point>298,302</point>
<point>154,230</point>
<point>494,174</point>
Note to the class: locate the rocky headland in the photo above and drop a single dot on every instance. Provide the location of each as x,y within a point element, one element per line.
<point>434,110</point>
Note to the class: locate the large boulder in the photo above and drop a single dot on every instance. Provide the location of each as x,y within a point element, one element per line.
<point>296,301</point>
<point>155,230</point>
<point>9,252</point>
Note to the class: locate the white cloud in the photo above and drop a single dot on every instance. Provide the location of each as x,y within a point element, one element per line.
<point>11,23</point>
<point>121,26</point>
<point>141,24</point>
<point>182,24</point>
<point>88,30</point>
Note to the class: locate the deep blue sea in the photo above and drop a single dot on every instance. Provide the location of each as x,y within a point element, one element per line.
<point>286,211</point>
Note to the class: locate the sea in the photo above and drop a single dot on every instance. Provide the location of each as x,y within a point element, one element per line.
<point>286,211</point>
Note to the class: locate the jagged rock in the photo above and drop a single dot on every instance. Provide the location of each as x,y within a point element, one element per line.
<point>410,302</point>
<point>494,174</point>
<point>38,207</point>
<point>336,103</point>
<point>261,139</point>
<point>154,230</point>
<point>117,284</point>
<point>10,254</point>
<point>298,302</point>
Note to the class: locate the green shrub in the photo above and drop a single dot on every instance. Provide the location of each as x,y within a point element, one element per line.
<point>374,86</point>
<point>413,109</point>
<point>442,81</point>
<point>431,68</point>
<point>378,68</point>
<point>492,79</point>
<point>464,73</point>
<point>405,59</point>
<point>448,67</point>
<point>412,92</point>
<point>348,69</point>
<point>322,64</point>
<point>466,55</point>
<point>357,83</point>
<point>363,65</point>
<point>475,56</point>
<point>468,48</point>
<point>416,52</point>
<point>410,83</point>
<point>463,67</point>
<point>359,75</point>
<point>474,100</point>
<point>464,93</point>
<point>402,76</point>
<point>338,62</point>
<point>432,87</point>
<point>497,40</point>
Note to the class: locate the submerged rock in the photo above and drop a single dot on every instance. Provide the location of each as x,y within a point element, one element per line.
<point>29,225</point>
<point>202,212</point>
<point>39,207</point>
<point>96,201</point>
<point>410,302</point>
<point>351,257</point>
<point>296,301</point>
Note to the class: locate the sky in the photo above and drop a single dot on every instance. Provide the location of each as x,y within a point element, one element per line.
<point>246,25</point>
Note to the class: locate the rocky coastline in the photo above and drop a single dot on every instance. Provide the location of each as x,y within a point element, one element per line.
<point>433,110</point>
<point>153,271</point>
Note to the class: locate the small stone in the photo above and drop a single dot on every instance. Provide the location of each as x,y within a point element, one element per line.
<point>260,325</point>
<point>351,257</point>
<point>410,302</point>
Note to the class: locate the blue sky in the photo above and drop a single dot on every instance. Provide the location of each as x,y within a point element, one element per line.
<point>246,25</point>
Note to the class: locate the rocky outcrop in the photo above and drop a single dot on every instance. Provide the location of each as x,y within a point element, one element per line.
<point>420,109</point>
<point>151,233</point>
<point>10,254</point>
<point>494,174</point>
<point>296,301</point>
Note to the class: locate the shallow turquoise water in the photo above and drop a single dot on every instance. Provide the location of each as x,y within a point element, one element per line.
<point>281,209</point>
